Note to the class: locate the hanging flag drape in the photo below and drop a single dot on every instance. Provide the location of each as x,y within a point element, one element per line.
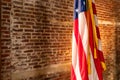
<point>87,57</point>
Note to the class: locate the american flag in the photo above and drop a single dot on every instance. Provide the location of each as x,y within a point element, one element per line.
<point>87,57</point>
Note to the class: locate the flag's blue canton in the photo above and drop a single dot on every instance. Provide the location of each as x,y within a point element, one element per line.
<point>76,9</point>
<point>79,8</point>
<point>82,6</point>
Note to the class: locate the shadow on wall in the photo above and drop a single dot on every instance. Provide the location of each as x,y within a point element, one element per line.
<point>116,11</point>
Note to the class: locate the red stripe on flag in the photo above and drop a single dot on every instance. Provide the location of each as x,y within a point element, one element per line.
<point>98,68</point>
<point>94,8</point>
<point>100,54</point>
<point>73,76</point>
<point>98,33</point>
<point>81,53</point>
<point>76,30</point>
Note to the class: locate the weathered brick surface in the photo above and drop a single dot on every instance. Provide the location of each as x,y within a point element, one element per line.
<point>108,42</point>
<point>36,34</point>
<point>41,33</point>
<point>5,39</point>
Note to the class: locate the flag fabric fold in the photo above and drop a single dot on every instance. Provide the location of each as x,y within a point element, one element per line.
<point>87,57</point>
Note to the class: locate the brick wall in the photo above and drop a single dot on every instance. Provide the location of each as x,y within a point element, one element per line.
<point>36,38</point>
<point>5,40</point>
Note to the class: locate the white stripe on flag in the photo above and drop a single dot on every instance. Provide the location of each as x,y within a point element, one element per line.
<point>99,45</point>
<point>77,69</point>
<point>96,20</point>
<point>83,31</point>
<point>93,1</point>
<point>74,50</point>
